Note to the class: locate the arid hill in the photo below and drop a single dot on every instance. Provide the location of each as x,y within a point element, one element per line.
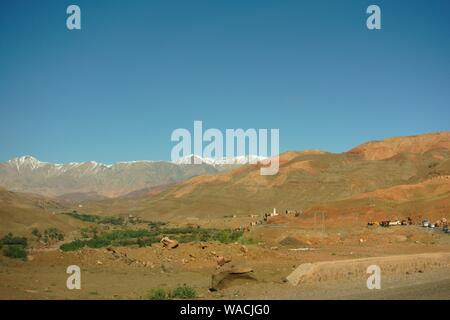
<point>385,176</point>
<point>20,213</point>
<point>379,150</point>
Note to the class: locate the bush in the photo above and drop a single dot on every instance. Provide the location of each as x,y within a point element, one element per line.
<point>159,294</point>
<point>72,246</point>
<point>184,292</point>
<point>53,234</point>
<point>14,247</point>
<point>9,239</point>
<point>16,252</point>
<point>35,232</point>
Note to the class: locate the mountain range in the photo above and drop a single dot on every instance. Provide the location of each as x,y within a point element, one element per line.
<point>91,180</point>
<point>396,177</point>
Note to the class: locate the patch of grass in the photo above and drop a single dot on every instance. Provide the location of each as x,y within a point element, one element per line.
<point>144,237</point>
<point>159,294</point>
<point>118,221</point>
<point>140,237</point>
<point>155,225</point>
<point>244,240</point>
<point>72,246</point>
<point>184,292</point>
<point>190,234</point>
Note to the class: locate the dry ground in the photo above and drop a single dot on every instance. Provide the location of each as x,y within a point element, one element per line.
<point>279,248</point>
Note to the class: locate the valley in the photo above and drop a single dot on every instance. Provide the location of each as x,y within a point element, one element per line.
<point>234,234</point>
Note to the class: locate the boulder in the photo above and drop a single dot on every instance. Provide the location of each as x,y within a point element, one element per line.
<point>168,243</point>
<point>225,275</point>
<point>221,260</point>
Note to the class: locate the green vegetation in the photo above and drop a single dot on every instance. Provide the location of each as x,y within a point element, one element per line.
<point>90,232</point>
<point>159,294</point>
<point>140,237</point>
<point>155,224</point>
<point>146,237</point>
<point>35,232</point>
<point>118,221</point>
<point>52,234</point>
<point>248,241</point>
<point>143,238</point>
<point>9,239</point>
<point>14,247</point>
<point>49,235</point>
<point>183,292</point>
<point>191,234</point>
<point>15,251</point>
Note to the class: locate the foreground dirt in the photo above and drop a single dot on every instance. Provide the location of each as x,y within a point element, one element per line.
<point>132,273</point>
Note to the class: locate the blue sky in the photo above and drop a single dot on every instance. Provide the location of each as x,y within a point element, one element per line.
<point>115,90</point>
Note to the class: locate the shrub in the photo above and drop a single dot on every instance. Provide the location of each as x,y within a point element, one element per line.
<point>97,243</point>
<point>53,234</point>
<point>16,252</point>
<point>72,246</point>
<point>184,292</point>
<point>159,294</point>
<point>35,232</point>
<point>9,239</point>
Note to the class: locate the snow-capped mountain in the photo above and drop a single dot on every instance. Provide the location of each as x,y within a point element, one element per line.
<point>28,174</point>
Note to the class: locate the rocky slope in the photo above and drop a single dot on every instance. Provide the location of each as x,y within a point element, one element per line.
<point>340,183</point>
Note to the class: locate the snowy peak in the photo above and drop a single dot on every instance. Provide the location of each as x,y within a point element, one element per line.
<point>26,162</point>
<point>27,174</point>
<point>29,162</point>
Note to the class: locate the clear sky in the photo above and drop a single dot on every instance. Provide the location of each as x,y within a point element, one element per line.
<point>115,90</point>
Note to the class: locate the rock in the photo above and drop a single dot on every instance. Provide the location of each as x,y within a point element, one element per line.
<point>99,262</point>
<point>168,243</point>
<point>166,268</point>
<point>299,274</point>
<point>221,260</point>
<point>224,276</point>
<point>31,291</point>
<point>30,258</point>
<point>243,248</point>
